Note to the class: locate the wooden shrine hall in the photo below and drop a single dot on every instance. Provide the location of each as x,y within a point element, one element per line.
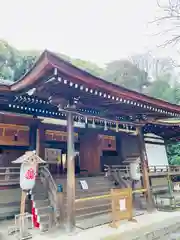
<point>59,107</point>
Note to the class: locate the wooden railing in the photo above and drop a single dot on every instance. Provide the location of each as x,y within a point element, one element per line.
<point>9,175</point>
<point>163,169</point>
<point>52,191</point>
<point>100,205</point>
<point>124,170</point>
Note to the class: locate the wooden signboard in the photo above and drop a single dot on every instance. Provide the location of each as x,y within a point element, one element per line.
<point>58,136</point>
<point>108,143</point>
<point>122,207</point>
<point>53,155</point>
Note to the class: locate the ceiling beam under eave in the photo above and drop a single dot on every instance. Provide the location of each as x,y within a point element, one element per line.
<point>163,123</point>
<point>18,119</point>
<point>174,137</point>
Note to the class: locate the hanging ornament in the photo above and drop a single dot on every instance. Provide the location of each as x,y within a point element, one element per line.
<point>105,126</point>
<point>93,124</point>
<point>55,71</point>
<point>86,120</point>
<point>117,127</point>
<point>127,128</point>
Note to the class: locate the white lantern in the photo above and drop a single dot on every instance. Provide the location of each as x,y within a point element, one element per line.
<point>27,176</point>
<point>135,171</point>
<point>29,163</point>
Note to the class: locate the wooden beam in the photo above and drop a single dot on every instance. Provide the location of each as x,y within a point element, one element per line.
<point>9,118</point>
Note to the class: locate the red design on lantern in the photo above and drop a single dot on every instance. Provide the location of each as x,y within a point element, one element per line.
<point>30,174</point>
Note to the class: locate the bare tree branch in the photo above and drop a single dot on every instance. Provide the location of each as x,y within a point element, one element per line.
<point>171,19</point>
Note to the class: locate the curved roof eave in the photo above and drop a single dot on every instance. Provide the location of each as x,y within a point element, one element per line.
<point>50,60</point>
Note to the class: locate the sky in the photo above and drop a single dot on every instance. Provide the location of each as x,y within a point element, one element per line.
<point>96,30</point>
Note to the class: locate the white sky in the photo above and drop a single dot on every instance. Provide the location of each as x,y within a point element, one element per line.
<point>95,30</point>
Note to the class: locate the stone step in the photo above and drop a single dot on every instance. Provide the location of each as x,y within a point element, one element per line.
<point>42,203</point>
<point>93,210</point>
<point>39,189</point>
<point>45,221</point>
<point>90,203</point>
<point>85,194</point>
<point>44,227</point>
<point>39,196</point>
<point>92,214</point>
<point>44,210</point>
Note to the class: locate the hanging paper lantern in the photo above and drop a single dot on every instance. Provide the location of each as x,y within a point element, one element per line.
<point>27,176</point>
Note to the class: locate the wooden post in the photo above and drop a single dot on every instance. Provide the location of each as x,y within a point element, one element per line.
<point>37,142</point>
<point>22,212</point>
<point>60,206</point>
<point>41,141</point>
<point>32,137</point>
<point>121,204</point>
<point>70,175</point>
<point>23,202</point>
<point>144,164</point>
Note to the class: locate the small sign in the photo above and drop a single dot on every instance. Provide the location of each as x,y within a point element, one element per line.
<point>122,205</point>
<point>84,184</point>
<point>177,187</point>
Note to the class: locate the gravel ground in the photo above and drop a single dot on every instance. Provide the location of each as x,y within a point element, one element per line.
<point>149,226</point>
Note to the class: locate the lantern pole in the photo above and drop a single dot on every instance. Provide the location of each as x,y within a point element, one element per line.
<point>70,174</point>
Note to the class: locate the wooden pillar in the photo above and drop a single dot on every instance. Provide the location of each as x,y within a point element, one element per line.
<point>144,164</point>
<point>90,152</point>
<point>32,137</point>
<point>41,142</point>
<point>70,174</point>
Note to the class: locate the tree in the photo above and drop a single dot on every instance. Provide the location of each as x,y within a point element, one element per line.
<point>173,152</point>
<point>8,60</point>
<point>169,20</point>
<point>22,66</point>
<point>89,67</point>
<point>13,63</point>
<point>161,88</point>
<point>126,74</point>
<point>153,66</point>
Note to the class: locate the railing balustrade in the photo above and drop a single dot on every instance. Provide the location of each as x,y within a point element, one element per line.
<point>51,188</point>
<point>9,175</point>
<point>152,170</point>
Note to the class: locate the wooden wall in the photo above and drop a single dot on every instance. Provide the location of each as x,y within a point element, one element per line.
<point>7,156</point>
<point>14,135</point>
<point>90,152</point>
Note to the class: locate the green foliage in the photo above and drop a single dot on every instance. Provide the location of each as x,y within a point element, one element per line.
<point>173,151</point>
<point>126,74</point>
<point>88,66</point>
<point>23,64</point>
